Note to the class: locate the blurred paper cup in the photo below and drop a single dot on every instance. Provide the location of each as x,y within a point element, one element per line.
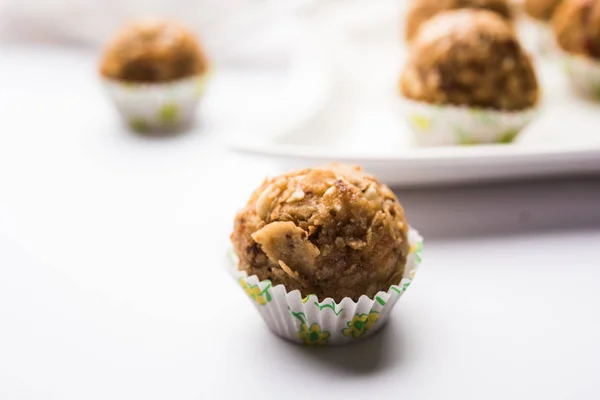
<point>583,73</point>
<point>446,125</point>
<point>157,106</point>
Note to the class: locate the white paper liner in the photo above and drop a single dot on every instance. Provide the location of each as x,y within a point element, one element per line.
<point>311,322</point>
<point>446,125</point>
<point>583,73</point>
<point>157,106</point>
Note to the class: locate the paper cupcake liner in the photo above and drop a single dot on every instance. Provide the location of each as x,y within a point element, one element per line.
<point>583,73</point>
<point>445,125</point>
<point>157,106</point>
<point>309,321</point>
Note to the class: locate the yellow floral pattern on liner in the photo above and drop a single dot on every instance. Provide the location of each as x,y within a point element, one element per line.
<point>138,124</point>
<point>262,297</point>
<point>420,122</point>
<point>313,335</point>
<point>508,136</point>
<point>201,84</point>
<point>360,324</point>
<point>168,113</point>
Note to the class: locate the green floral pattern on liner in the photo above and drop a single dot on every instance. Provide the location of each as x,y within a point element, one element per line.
<point>417,250</point>
<point>331,306</point>
<point>311,335</point>
<point>261,297</point>
<point>597,93</point>
<point>402,286</point>
<point>508,136</point>
<point>168,113</point>
<point>138,124</point>
<point>380,300</point>
<point>360,324</point>
<point>483,117</point>
<point>397,289</point>
<point>406,284</point>
<point>463,138</point>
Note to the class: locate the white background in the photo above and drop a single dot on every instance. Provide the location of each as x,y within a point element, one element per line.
<point>112,281</point>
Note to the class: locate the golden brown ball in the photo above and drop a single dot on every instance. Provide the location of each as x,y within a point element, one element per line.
<point>576,26</point>
<point>421,10</point>
<point>333,231</point>
<point>471,58</point>
<point>153,50</point>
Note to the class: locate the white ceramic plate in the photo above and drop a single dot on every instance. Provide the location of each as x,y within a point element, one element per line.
<point>362,122</point>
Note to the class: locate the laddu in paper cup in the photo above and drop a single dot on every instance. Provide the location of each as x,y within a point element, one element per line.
<point>312,322</point>
<point>583,73</point>
<point>157,106</point>
<point>446,125</point>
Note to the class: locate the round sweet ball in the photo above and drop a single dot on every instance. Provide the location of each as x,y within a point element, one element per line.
<point>576,26</point>
<point>152,51</point>
<point>334,231</point>
<point>421,10</point>
<point>541,9</point>
<point>469,58</point>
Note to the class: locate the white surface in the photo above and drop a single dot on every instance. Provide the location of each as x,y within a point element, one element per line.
<point>110,241</point>
<point>363,122</point>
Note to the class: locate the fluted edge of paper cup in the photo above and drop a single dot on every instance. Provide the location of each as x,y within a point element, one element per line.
<point>157,106</point>
<point>309,321</point>
<point>583,73</point>
<point>447,125</point>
